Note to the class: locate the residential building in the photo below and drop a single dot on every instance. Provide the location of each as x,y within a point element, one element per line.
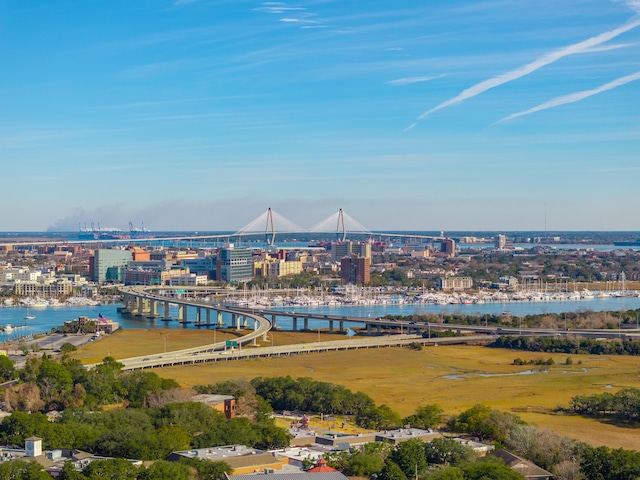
<point>500,241</point>
<point>529,470</point>
<point>46,288</point>
<point>222,403</point>
<point>355,270</point>
<point>348,248</point>
<point>456,283</point>
<point>274,267</point>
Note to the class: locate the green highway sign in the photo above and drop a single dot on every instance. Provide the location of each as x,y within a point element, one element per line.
<point>231,343</point>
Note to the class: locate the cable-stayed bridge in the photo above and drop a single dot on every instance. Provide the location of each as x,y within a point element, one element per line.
<point>268,224</point>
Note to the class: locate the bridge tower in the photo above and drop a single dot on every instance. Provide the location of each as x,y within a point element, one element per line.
<point>270,240</point>
<point>341,224</point>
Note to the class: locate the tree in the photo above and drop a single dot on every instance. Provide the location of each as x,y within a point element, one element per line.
<point>409,456</point>
<point>542,446</point>
<point>448,451</point>
<point>490,468</point>
<point>208,470</point>
<point>117,468</point>
<point>22,470</point>
<point>69,472</point>
<point>68,347</point>
<point>378,418</point>
<point>447,473</point>
<point>391,471</point>
<point>162,470</point>
<point>7,368</point>
<point>603,463</point>
<point>426,416</point>
<point>484,422</point>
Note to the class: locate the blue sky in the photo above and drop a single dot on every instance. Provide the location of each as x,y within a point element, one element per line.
<point>201,114</point>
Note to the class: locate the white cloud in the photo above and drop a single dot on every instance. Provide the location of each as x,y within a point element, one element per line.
<point>574,97</point>
<point>409,80</point>
<point>540,62</point>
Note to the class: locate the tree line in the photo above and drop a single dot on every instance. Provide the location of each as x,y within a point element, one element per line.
<point>622,406</point>
<point>579,319</point>
<point>121,469</point>
<point>590,346</point>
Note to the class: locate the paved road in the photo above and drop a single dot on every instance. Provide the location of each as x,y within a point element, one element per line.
<point>203,354</point>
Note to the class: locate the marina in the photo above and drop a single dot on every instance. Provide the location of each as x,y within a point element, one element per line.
<point>50,317</point>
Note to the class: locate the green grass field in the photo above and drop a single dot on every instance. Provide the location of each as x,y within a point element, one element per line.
<point>455,377</point>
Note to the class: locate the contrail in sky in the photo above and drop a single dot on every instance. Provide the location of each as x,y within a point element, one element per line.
<point>574,97</point>
<point>551,57</point>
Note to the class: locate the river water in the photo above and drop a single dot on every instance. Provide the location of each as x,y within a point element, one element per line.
<point>51,317</point>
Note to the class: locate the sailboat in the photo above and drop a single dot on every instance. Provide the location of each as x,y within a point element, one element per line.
<point>29,316</point>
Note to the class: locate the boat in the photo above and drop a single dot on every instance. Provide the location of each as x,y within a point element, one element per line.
<point>29,316</point>
<point>38,303</point>
<point>7,329</point>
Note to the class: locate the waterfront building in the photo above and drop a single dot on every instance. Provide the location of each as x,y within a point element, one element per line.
<point>355,270</point>
<point>234,264</point>
<point>456,283</point>
<point>46,288</point>
<point>274,267</point>
<point>500,241</point>
<point>109,265</point>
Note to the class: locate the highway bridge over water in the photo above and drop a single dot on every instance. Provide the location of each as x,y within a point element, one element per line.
<point>268,224</point>
<point>382,332</point>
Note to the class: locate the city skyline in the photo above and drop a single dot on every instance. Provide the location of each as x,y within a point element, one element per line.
<point>200,114</point>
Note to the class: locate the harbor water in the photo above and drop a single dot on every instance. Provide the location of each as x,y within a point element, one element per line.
<point>51,317</point>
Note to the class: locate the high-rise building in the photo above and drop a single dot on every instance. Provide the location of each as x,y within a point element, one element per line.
<point>234,264</point>
<point>448,247</point>
<point>348,248</point>
<point>500,241</point>
<point>109,265</point>
<point>355,270</point>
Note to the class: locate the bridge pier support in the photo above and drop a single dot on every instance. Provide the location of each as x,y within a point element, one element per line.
<point>330,326</point>
<point>182,314</point>
<point>255,327</point>
<point>294,323</point>
<point>368,328</point>
<point>167,316</point>
<point>342,325</point>
<point>146,307</point>
<point>379,329</point>
<point>235,319</point>
<point>245,322</point>
<point>273,320</point>
<point>198,315</point>
<point>208,316</point>
<point>139,306</point>
<point>153,309</point>
<point>219,315</point>
<point>306,323</point>
<point>129,303</point>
